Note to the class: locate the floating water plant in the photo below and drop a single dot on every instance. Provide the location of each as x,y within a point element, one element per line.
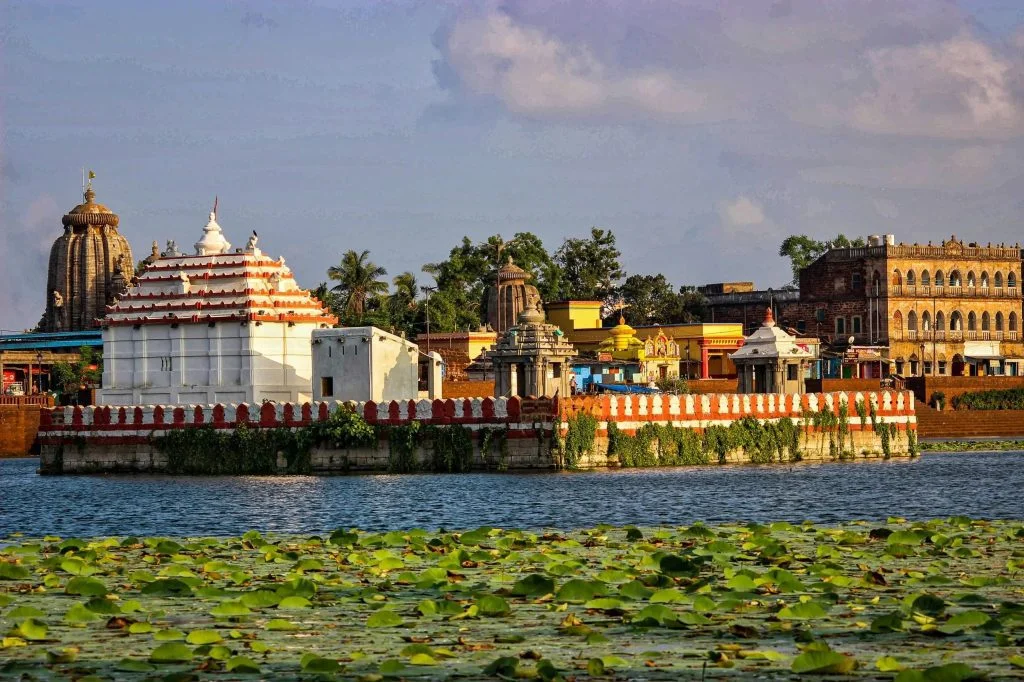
<point>907,601</point>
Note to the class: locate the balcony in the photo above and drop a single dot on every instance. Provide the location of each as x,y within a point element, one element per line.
<point>932,291</point>
<point>953,335</point>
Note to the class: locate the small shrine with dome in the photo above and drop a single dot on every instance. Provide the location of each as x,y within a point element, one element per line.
<point>220,325</point>
<point>647,360</point>
<point>532,358</point>
<point>772,360</point>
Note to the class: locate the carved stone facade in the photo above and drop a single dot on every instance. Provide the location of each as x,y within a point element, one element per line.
<point>949,309</point>
<point>509,296</point>
<point>90,266</point>
<point>532,358</point>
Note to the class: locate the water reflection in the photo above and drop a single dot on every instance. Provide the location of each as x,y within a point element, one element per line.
<point>983,485</point>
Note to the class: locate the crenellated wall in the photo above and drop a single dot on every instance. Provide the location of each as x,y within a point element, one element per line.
<point>112,438</point>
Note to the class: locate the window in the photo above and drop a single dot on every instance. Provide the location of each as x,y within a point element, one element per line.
<point>912,321</point>
<point>856,324</point>
<point>999,322</point>
<point>970,279</point>
<point>913,368</point>
<point>327,387</point>
<point>556,370</point>
<point>925,279</point>
<point>999,280</point>
<point>897,279</point>
<point>939,279</point>
<point>940,322</point>
<point>985,322</point>
<point>801,326</point>
<point>1011,280</point>
<point>972,322</point>
<point>926,321</point>
<point>911,280</point>
<point>857,281</point>
<point>954,279</point>
<point>942,367</point>
<point>791,372</point>
<point>840,325</point>
<point>899,367</point>
<point>984,280</point>
<point>897,323</point>
<point>819,315</point>
<point>1013,322</point>
<point>956,322</point>
<point>927,367</point>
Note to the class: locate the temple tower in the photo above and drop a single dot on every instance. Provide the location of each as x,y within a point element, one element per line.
<point>509,296</point>
<point>90,266</point>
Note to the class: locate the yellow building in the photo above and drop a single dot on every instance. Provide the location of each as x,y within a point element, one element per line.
<point>656,357</point>
<point>704,348</point>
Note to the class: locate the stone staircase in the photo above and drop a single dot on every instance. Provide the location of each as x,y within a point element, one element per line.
<point>966,424</point>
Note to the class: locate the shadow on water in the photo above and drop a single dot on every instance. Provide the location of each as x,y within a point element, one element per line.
<point>982,485</point>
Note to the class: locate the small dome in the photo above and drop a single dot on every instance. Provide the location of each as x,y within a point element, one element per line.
<point>89,213</point>
<point>510,271</point>
<point>213,241</point>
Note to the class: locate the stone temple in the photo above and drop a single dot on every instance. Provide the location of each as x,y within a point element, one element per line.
<point>508,297</point>
<point>90,266</point>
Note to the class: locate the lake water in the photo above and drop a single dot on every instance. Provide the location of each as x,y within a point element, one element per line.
<point>985,485</point>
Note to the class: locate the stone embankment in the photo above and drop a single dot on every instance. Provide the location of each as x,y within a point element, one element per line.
<point>98,439</point>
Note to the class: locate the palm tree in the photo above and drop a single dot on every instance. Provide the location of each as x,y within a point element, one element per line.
<point>358,279</point>
<point>402,303</point>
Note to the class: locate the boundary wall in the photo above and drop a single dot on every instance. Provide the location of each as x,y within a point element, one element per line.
<point>114,438</point>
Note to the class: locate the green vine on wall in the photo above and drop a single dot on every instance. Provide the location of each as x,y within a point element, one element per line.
<point>494,448</point>
<point>581,432</point>
<point>451,448</point>
<point>403,442</point>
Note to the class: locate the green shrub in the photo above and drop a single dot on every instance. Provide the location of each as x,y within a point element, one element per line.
<point>1006,399</point>
<point>579,439</point>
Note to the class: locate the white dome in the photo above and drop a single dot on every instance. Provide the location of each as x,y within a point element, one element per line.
<point>213,241</point>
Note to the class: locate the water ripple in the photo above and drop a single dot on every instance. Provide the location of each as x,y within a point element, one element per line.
<point>982,485</point>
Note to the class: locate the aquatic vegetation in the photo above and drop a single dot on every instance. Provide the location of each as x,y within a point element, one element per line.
<point>901,600</point>
<point>970,445</point>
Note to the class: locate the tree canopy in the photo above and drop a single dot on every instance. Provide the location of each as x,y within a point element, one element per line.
<point>803,250</point>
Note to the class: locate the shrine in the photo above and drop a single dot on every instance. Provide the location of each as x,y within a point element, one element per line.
<point>221,325</point>
<point>772,360</point>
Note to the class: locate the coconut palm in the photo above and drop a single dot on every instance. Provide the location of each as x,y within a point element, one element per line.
<point>401,305</point>
<point>358,280</point>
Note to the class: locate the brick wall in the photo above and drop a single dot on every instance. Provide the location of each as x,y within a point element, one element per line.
<point>18,427</point>
<point>467,389</point>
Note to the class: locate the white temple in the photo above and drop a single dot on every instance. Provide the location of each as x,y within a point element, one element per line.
<point>220,326</point>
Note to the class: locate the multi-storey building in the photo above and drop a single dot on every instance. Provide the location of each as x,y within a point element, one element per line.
<point>950,309</point>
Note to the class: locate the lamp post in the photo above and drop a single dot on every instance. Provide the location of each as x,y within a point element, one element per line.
<point>922,359</point>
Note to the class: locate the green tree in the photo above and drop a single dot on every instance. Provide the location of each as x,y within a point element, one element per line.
<point>590,267</point>
<point>647,299</point>
<point>358,281</point>
<point>327,298</point>
<point>68,378</point>
<point>803,250</point>
<point>401,304</point>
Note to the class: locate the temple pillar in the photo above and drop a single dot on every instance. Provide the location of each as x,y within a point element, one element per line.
<point>705,358</point>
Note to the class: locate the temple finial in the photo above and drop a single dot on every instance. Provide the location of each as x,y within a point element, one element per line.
<point>215,199</point>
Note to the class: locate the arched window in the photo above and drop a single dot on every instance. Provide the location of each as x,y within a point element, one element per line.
<point>940,280</point>
<point>912,321</point>
<point>985,321</point>
<point>911,281</point>
<point>970,279</point>
<point>1011,280</point>
<point>999,280</point>
<point>972,322</point>
<point>897,323</point>
<point>999,322</point>
<point>926,322</point>
<point>940,322</point>
<point>956,322</point>
<point>955,279</point>
<point>1013,322</point>
<point>897,278</point>
<point>925,279</point>
<point>984,280</point>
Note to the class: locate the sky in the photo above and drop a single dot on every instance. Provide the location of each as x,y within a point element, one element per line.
<point>700,132</point>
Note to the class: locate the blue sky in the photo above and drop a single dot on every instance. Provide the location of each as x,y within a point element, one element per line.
<point>700,132</point>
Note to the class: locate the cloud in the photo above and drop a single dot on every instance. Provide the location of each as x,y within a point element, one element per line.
<point>954,88</point>
<point>909,67</point>
<point>742,212</point>
<point>532,72</point>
